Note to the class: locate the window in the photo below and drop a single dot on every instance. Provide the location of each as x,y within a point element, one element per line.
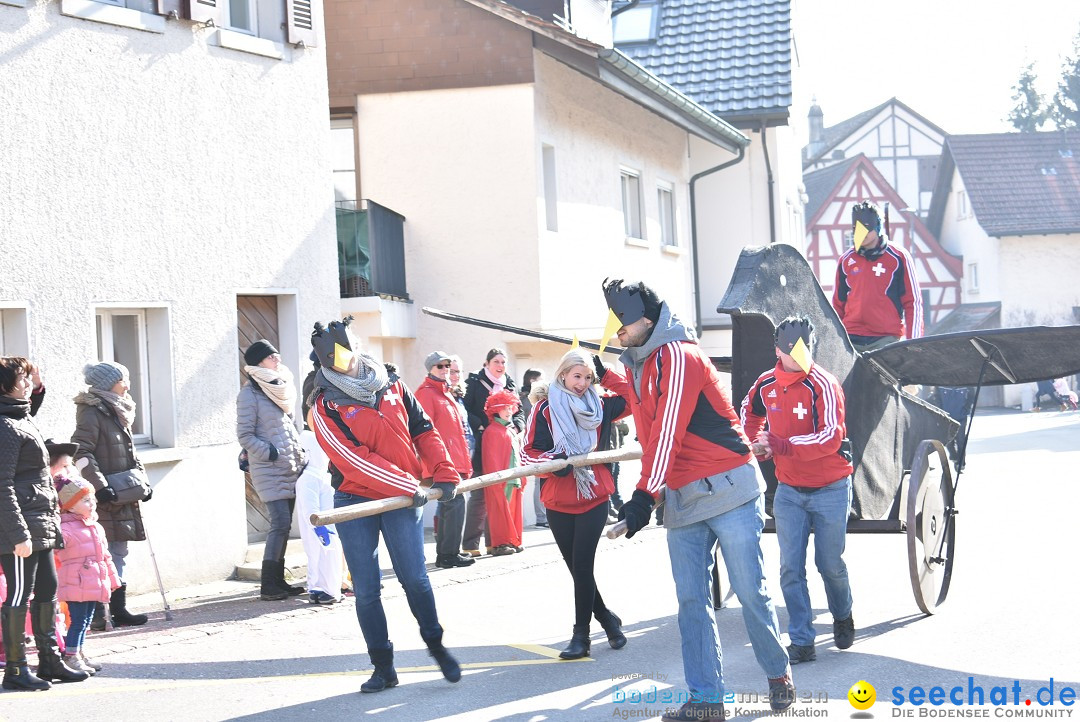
<point>631,204</point>
<point>242,16</point>
<point>139,339</point>
<point>962,211</point>
<point>973,277</point>
<point>638,24</point>
<point>14,333</point>
<point>551,195</point>
<point>343,158</point>
<point>849,239</point>
<point>665,196</point>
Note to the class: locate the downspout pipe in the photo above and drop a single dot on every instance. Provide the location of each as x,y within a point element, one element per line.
<point>693,228</point>
<point>769,176</point>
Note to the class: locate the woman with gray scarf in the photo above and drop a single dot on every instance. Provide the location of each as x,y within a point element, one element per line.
<point>576,419</point>
<point>104,414</point>
<point>267,430</point>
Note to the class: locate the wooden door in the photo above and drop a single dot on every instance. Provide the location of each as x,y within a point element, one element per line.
<point>257,317</point>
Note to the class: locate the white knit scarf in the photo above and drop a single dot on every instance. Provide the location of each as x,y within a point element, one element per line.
<point>277,385</point>
<point>371,378</point>
<point>574,420</point>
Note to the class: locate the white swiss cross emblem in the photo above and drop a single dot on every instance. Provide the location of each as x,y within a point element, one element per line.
<point>800,411</point>
<point>878,269</point>
<point>392,397</point>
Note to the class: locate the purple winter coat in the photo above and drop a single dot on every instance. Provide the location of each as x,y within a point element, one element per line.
<point>86,572</point>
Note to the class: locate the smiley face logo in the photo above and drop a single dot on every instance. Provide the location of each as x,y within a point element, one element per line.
<point>862,695</point>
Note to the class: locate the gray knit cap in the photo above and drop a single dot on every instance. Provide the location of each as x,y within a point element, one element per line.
<point>104,375</point>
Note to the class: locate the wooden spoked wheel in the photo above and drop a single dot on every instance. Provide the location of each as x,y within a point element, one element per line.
<point>931,525</point>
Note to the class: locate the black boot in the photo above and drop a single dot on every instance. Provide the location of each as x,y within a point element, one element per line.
<point>579,643</point>
<point>384,676</point>
<point>449,666</point>
<point>17,674</point>
<point>121,617</point>
<point>279,578</point>
<point>97,622</point>
<point>50,665</point>
<point>269,589</point>
<point>613,628</point>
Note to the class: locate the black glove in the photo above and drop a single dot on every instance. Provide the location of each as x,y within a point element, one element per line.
<point>448,489</point>
<point>419,498</point>
<point>106,494</point>
<point>149,494</point>
<point>566,470</point>
<point>598,367</point>
<point>273,453</point>
<point>636,512</point>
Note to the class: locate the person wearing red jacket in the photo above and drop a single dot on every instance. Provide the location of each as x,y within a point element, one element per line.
<point>500,451</point>
<point>576,419</point>
<point>379,441</point>
<point>876,294</point>
<point>434,396</point>
<point>802,406</point>
<point>694,446</point>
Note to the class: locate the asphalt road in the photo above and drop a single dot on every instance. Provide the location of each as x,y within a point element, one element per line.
<point>1009,620</point>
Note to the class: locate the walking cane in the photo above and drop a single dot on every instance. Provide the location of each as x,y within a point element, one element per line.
<point>371,508</point>
<point>157,573</point>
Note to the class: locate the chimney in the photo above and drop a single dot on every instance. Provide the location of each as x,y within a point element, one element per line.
<point>817,130</point>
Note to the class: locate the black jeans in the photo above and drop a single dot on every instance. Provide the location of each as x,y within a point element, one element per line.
<point>577,536</point>
<point>451,522</point>
<point>25,575</point>
<point>476,522</point>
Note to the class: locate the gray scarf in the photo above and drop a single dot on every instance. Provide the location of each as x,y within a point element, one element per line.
<point>573,427</point>
<point>364,387</point>
<point>124,406</point>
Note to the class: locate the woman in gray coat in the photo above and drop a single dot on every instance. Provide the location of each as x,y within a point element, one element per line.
<point>267,431</point>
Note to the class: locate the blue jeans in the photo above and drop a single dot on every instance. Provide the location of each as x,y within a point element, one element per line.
<point>403,533</point>
<point>825,511</point>
<point>119,552</point>
<point>82,613</point>
<point>690,548</point>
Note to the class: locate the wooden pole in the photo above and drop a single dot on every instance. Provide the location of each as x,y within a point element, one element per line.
<point>370,508</point>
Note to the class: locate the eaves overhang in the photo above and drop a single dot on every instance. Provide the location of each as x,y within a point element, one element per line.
<point>624,76</point>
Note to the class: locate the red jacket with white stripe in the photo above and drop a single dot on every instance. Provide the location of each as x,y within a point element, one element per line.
<point>807,409</point>
<point>377,450</point>
<point>445,414</point>
<point>560,492</point>
<point>880,296</point>
<point>685,421</point>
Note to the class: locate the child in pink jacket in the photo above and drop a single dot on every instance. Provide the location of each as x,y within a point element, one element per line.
<point>85,570</point>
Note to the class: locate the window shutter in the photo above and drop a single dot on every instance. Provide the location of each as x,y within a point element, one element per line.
<point>205,11</point>
<point>168,7</point>
<point>301,20</point>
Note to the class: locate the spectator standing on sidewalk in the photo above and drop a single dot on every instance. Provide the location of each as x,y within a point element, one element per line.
<point>533,376</point>
<point>434,396</point>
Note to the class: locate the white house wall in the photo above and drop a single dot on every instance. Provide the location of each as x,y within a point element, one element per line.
<point>155,171</point>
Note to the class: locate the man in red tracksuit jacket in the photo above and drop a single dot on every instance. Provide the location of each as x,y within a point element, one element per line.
<point>876,293</point>
<point>693,445</point>
<point>379,442</point>
<point>803,406</point>
<point>433,393</point>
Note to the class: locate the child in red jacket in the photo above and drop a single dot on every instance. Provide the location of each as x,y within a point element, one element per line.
<point>500,451</point>
<point>85,571</point>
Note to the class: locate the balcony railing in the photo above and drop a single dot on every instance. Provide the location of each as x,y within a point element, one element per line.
<point>371,250</point>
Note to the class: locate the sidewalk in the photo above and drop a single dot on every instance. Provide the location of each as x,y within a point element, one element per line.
<point>208,609</point>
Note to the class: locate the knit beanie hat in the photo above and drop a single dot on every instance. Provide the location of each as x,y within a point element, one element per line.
<point>70,492</point>
<point>104,375</point>
<point>258,351</point>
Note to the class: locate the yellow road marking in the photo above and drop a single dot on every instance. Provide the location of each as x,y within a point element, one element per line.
<point>550,655</point>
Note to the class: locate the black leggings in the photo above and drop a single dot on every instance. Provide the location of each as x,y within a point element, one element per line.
<point>577,536</point>
<point>35,574</point>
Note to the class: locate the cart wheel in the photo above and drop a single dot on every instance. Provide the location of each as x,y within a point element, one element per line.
<point>931,525</point>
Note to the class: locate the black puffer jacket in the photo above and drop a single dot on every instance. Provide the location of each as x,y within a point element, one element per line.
<point>29,508</point>
<point>107,447</point>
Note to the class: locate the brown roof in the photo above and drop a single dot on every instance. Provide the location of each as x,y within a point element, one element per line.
<point>1018,184</point>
